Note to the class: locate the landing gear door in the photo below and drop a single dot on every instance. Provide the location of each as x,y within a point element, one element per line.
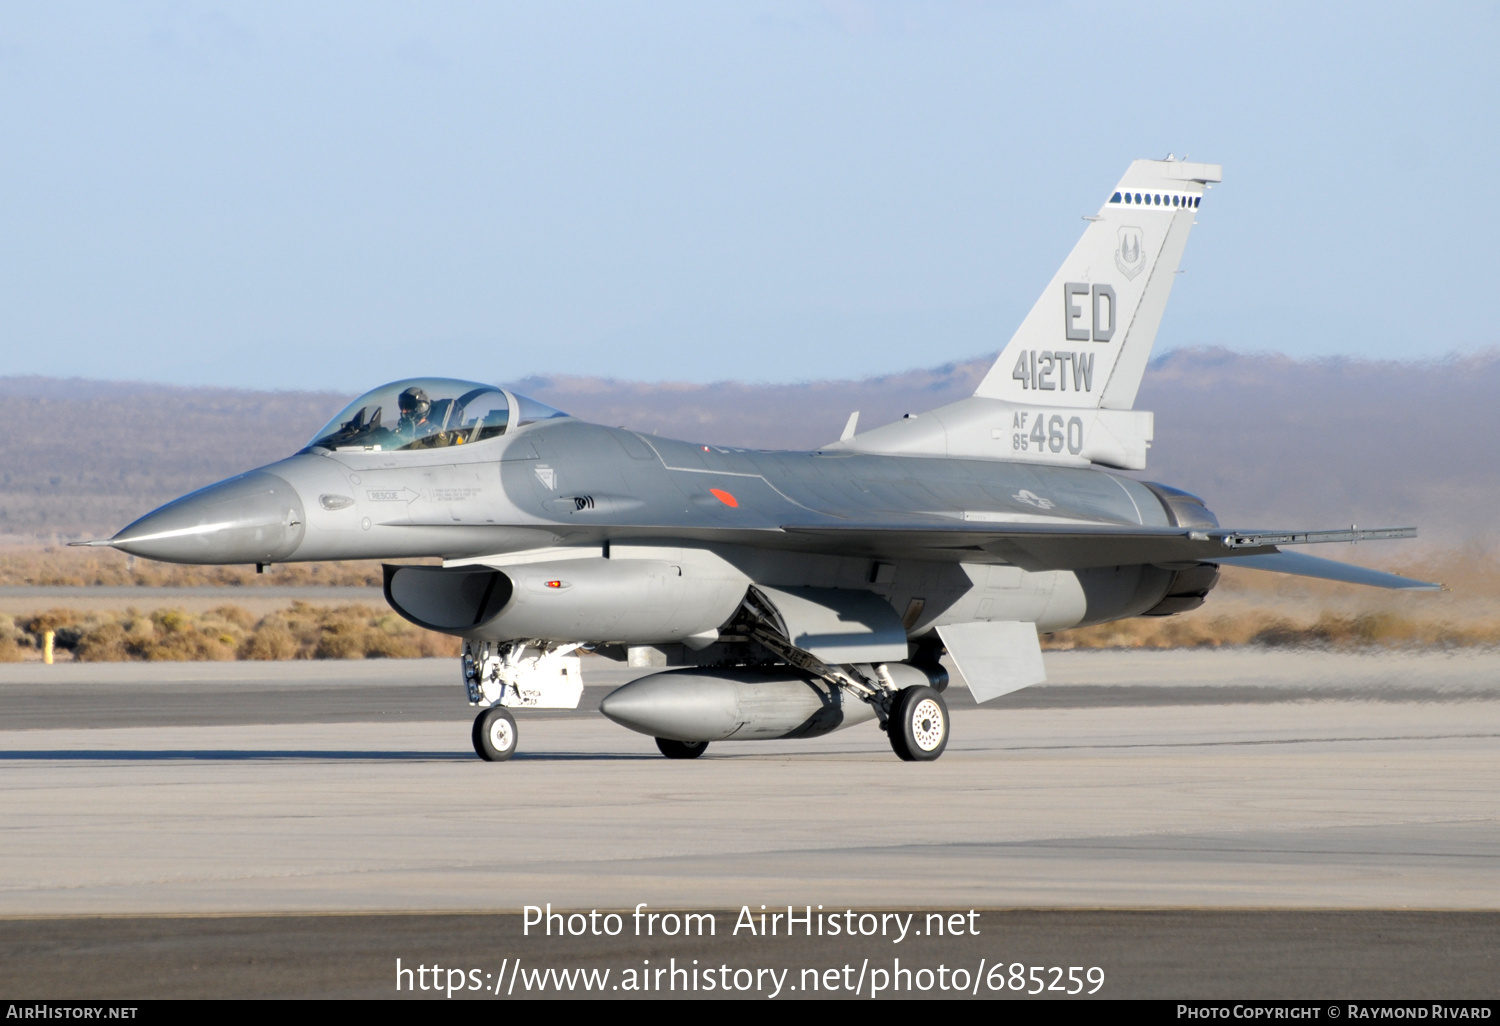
<point>995,658</point>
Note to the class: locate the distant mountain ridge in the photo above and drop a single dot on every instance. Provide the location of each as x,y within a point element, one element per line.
<point>1267,440</point>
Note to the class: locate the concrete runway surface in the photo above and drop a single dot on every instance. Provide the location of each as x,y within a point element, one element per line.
<point>1276,781</point>
<point>1173,954</point>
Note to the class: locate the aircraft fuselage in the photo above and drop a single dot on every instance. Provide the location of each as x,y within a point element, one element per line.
<point>565,489</point>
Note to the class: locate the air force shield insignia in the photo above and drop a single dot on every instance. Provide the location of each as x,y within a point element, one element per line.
<point>1130,257</point>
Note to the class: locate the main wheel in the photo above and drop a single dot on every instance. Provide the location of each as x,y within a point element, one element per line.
<point>495,734</point>
<point>681,749</point>
<point>919,724</point>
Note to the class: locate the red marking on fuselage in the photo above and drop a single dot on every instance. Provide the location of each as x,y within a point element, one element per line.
<point>724,497</point>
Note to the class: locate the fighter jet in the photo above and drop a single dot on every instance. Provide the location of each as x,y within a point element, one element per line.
<point>777,594</point>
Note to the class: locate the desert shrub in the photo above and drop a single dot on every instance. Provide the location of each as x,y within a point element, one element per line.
<point>441,646</point>
<point>301,631</point>
<point>51,620</point>
<point>105,643</point>
<point>379,645</point>
<point>270,642</point>
<point>234,615</point>
<point>1370,629</point>
<point>304,631</point>
<point>1280,633</point>
<point>342,638</point>
<point>10,640</point>
<point>184,647</point>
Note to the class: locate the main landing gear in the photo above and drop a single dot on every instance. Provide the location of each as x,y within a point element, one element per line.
<point>918,724</point>
<point>495,734</point>
<point>915,717</point>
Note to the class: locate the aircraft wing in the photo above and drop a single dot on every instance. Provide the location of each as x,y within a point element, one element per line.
<point>1074,546</point>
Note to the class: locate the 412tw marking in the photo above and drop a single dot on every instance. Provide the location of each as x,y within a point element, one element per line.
<point>1048,370</point>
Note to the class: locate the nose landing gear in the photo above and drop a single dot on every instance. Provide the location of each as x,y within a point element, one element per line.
<point>500,675</point>
<point>495,734</point>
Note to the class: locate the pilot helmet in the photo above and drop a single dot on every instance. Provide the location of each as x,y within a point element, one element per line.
<point>414,402</point>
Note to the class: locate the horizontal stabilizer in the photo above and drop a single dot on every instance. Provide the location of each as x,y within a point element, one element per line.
<point>995,658</point>
<point>1301,565</point>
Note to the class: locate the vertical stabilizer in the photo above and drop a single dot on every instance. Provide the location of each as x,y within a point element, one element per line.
<point>1088,338</point>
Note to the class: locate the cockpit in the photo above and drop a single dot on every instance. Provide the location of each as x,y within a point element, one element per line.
<point>428,413</point>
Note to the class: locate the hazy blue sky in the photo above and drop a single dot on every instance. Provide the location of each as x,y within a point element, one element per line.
<point>335,194</point>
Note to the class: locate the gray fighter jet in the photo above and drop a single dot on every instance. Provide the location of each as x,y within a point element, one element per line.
<point>781,594</point>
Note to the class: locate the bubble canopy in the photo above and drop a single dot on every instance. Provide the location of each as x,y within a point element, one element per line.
<point>427,413</point>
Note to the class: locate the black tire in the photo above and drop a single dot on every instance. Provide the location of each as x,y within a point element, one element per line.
<point>495,734</point>
<point>681,749</point>
<point>919,724</point>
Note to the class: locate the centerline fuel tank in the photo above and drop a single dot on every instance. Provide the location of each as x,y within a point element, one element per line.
<point>742,704</point>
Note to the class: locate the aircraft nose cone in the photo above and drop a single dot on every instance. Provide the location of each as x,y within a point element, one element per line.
<point>253,518</point>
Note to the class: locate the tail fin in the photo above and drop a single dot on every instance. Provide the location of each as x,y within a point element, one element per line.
<point>1087,339</point>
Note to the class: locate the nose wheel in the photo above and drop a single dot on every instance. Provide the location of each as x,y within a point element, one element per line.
<point>495,734</point>
<point>918,726</point>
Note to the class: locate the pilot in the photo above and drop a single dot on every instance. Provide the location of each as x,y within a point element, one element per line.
<point>415,409</point>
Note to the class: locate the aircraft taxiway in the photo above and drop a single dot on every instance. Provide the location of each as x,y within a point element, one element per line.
<point>1220,779</point>
<point>1291,782</point>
